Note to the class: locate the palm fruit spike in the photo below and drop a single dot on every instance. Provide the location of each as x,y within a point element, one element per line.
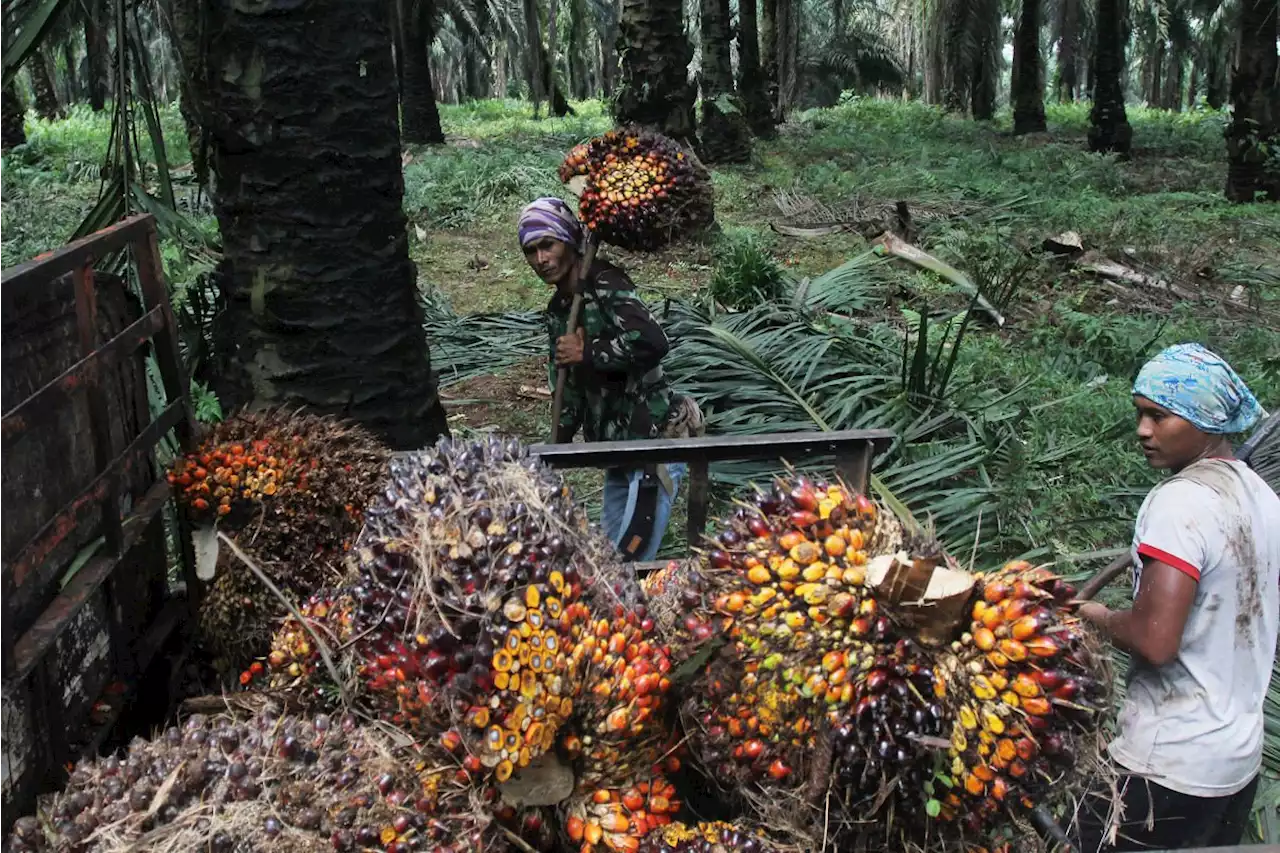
<point>788,578</point>
<point>471,571</point>
<point>617,818</point>
<point>1027,685</point>
<point>299,484</point>
<point>878,743</point>
<point>707,837</point>
<point>641,188</point>
<point>294,662</point>
<point>264,782</point>
<point>677,602</point>
<point>621,718</point>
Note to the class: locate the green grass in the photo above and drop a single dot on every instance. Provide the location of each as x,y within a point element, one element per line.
<point>1075,351</point>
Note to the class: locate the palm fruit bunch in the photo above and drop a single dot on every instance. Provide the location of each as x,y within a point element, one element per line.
<point>1025,684</point>
<point>263,783</point>
<point>707,837</point>
<point>468,600</point>
<point>844,656</point>
<point>618,817</point>
<point>641,188</point>
<point>294,486</point>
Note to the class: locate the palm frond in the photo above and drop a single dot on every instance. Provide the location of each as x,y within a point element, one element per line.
<point>27,27</point>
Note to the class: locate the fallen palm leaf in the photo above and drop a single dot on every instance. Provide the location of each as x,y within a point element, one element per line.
<point>896,247</point>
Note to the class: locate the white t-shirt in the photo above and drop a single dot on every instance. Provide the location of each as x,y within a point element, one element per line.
<point>1195,725</point>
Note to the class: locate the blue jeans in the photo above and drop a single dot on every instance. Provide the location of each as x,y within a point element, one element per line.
<point>620,488</point>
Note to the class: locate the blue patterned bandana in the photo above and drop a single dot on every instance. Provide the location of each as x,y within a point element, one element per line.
<point>549,217</point>
<point>1198,386</point>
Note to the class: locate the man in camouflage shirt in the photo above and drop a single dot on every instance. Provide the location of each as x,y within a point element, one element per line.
<point>615,388</point>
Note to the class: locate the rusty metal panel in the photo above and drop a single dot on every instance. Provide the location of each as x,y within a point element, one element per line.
<point>36,273</point>
<point>18,755</point>
<point>87,371</point>
<point>78,429</point>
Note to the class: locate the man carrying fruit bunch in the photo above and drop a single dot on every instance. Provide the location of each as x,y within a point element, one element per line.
<point>1202,628</point>
<point>616,389</point>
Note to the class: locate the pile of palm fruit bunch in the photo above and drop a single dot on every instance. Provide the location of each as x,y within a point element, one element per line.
<point>289,490</point>
<point>640,188</point>
<point>264,782</point>
<point>859,686</point>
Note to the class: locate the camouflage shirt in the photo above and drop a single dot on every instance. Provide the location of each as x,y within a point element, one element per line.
<point>619,391</point>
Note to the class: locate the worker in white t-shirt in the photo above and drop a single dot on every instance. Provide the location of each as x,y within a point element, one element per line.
<point>1202,628</point>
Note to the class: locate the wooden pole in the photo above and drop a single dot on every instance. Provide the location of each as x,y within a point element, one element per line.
<point>562,375</point>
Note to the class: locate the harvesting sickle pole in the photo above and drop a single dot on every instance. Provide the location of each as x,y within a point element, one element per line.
<point>562,374</point>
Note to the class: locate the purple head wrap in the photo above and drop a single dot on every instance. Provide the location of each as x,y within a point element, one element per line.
<point>549,217</point>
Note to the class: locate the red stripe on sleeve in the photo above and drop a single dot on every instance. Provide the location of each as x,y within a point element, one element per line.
<point>1169,560</point>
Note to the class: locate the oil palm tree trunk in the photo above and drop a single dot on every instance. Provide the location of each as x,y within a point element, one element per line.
<point>1028,75</point>
<point>579,82</point>
<point>1109,128</point>
<point>1253,138</point>
<point>98,53</point>
<point>654,88</point>
<point>726,137</point>
<point>42,88</point>
<point>299,102</point>
<point>752,86</point>
<point>69,60</point>
<point>1068,82</point>
<point>12,115</point>
<point>420,114</point>
<point>769,54</point>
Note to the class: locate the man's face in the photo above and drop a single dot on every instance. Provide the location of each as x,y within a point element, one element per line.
<point>550,259</point>
<point>1167,440</point>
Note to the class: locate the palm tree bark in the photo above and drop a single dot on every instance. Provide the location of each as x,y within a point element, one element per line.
<point>609,38</point>
<point>1028,75</point>
<point>97,52</point>
<point>787,18</point>
<point>1109,128</point>
<point>726,137</point>
<point>42,89</point>
<point>419,113</point>
<point>69,60</point>
<point>654,89</point>
<point>299,101</point>
<point>769,55</point>
<point>751,80</point>
<point>12,115</point>
<point>579,82</point>
<point>1068,82</point>
<point>1253,137</point>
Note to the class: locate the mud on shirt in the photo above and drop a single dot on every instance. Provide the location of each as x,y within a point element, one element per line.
<point>1195,725</point>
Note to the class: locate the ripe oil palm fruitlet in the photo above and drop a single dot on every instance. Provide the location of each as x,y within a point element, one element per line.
<point>834,673</point>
